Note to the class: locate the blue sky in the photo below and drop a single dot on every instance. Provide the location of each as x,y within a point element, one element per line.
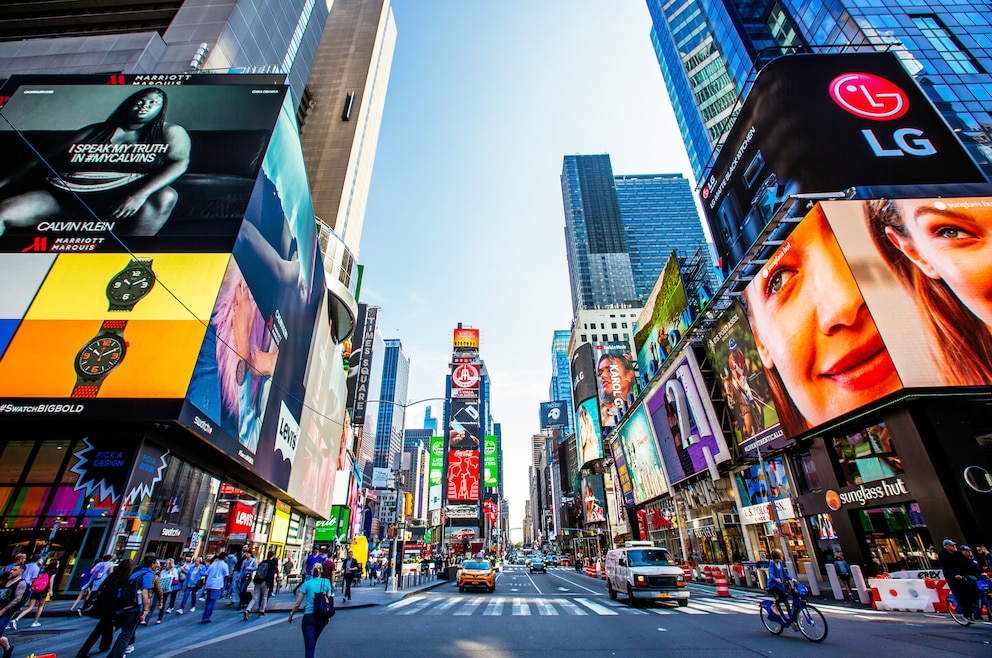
<point>465,221</point>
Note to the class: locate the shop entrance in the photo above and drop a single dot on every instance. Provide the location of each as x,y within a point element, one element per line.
<point>896,538</point>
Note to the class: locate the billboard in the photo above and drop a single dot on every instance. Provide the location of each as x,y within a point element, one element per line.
<point>640,450</point>
<point>667,310</point>
<point>824,123</point>
<point>583,379</point>
<point>248,388</point>
<point>466,340</point>
<point>360,361</point>
<point>465,380</point>
<point>554,415</point>
<point>616,378</point>
<point>490,463</point>
<point>463,427</point>
<point>589,441</point>
<point>593,499</point>
<point>92,166</point>
<point>732,353</point>
<point>463,475</point>
<point>436,464</point>
<point>622,479</point>
<point>759,485</point>
<point>684,420</point>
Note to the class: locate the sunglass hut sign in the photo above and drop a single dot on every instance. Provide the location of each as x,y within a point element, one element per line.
<point>866,493</point>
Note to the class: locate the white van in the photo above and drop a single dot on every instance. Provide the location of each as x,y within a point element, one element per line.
<point>641,570</point>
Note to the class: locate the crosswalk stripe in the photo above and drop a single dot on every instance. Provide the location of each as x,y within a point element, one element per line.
<point>595,607</point>
<point>691,611</point>
<point>468,608</point>
<point>633,611</point>
<point>520,608</point>
<point>662,611</point>
<point>440,609</point>
<point>402,603</point>
<point>495,608</point>
<point>570,607</point>
<point>419,607</point>
<point>545,609</point>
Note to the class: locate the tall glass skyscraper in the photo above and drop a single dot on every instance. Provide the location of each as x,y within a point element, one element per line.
<point>711,50</point>
<point>561,376</point>
<point>392,398</point>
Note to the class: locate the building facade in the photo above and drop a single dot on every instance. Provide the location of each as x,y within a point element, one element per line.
<point>390,418</point>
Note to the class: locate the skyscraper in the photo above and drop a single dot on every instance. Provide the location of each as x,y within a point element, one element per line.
<point>391,405</point>
<point>561,377</point>
<point>711,50</point>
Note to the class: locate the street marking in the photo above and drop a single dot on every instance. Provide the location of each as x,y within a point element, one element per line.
<point>689,610</point>
<point>545,609</point>
<point>439,609</point>
<point>570,607</point>
<point>421,605</point>
<point>595,607</point>
<point>495,608</point>
<point>402,603</point>
<point>468,608</point>
<point>520,608</point>
<point>662,611</point>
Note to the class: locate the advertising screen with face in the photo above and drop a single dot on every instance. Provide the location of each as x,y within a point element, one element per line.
<point>463,475</point>
<point>248,388</point>
<point>732,353</point>
<point>616,373</point>
<point>814,333</point>
<point>924,268</point>
<point>756,485</point>
<point>593,499</point>
<point>589,439</point>
<point>825,122</point>
<point>622,475</point>
<point>647,475</point>
<point>665,311</point>
<point>684,420</point>
<point>91,166</point>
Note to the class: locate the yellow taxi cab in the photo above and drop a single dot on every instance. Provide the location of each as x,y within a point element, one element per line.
<point>477,573</point>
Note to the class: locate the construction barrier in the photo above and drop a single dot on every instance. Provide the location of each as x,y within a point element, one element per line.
<point>721,584</point>
<point>943,591</point>
<point>591,571</point>
<point>708,571</point>
<point>904,594</point>
<point>687,570</point>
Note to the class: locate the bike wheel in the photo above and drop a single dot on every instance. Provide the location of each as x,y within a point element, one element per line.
<point>956,614</point>
<point>773,626</point>
<point>812,624</point>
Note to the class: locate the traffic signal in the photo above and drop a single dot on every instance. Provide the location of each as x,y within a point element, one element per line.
<point>392,532</point>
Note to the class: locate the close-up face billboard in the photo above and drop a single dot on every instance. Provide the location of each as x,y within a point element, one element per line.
<point>825,122</point>
<point>589,439</point>
<point>616,373</point>
<point>664,312</point>
<point>593,499</point>
<point>647,476</point>
<point>818,342</point>
<point>247,391</point>
<point>463,475</point>
<point>732,353</point>
<point>684,421</point>
<point>165,169</point>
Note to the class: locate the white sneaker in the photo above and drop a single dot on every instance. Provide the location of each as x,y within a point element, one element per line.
<point>130,649</point>
<point>13,625</point>
<point>35,624</point>
<point>168,611</point>
<point>179,612</point>
<point>192,609</point>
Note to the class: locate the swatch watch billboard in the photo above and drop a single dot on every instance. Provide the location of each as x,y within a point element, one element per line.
<point>825,123</point>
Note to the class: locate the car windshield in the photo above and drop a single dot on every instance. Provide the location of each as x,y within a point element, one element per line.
<point>478,566</point>
<point>652,557</point>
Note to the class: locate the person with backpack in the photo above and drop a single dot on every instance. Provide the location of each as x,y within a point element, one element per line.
<point>313,624</point>
<point>264,580</point>
<point>41,589</point>
<point>104,608</point>
<point>13,593</point>
<point>134,605</point>
<point>84,590</point>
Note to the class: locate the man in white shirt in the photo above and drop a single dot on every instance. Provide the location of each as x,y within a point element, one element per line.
<point>216,573</point>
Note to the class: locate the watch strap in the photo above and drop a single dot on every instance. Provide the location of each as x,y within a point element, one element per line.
<point>113,326</point>
<point>88,388</point>
<point>84,391</point>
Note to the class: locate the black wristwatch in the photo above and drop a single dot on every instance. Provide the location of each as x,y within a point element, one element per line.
<point>130,284</point>
<point>98,357</point>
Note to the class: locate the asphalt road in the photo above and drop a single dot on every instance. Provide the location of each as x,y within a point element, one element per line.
<point>561,613</point>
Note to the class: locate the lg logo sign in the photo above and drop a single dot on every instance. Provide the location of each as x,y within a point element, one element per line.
<point>871,97</point>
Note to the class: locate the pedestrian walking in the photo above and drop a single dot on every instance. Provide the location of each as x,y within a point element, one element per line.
<point>20,560</point>
<point>264,580</point>
<point>84,590</point>
<point>134,605</point>
<point>843,572</point>
<point>312,626</point>
<point>287,572</point>
<point>18,591</point>
<point>41,590</point>
<point>352,570</point>
<point>105,607</point>
<point>216,573</point>
<point>168,577</point>
<point>156,594</point>
<point>196,577</point>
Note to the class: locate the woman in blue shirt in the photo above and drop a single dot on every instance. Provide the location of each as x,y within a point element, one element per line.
<point>312,627</point>
<point>778,576</point>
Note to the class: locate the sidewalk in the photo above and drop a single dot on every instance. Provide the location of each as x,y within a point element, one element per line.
<point>362,596</point>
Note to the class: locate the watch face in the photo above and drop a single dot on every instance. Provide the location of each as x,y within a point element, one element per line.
<point>100,356</point>
<point>130,285</point>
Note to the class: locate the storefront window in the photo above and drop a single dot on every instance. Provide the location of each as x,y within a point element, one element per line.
<point>866,456</point>
<point>26,507</point>
<point>12,460</point>
<point>807,479</point>
<point>48,462</point>
<point>897,538</point>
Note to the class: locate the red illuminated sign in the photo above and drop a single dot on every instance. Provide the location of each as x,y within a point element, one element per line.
<point>241,519</point>
<point>465,376</point>
<point>463,475</point>
<point>869,96</point>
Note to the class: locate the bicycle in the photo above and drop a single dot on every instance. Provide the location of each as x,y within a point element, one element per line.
<point>803,616</point>
<point>983,606</point>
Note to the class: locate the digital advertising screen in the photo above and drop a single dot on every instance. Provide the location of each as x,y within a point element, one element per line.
<point>622,476</point>
<point>684,420</point>
<point>463,427</point>
<point>490,465</point>
<point>644,465</point>
<point>248,388</point>
<point>463,475</point>
<point>583,375</point>
<point>761,484</point>
<point>665,311</point>
<point>733,355</point>
<point>616,376</point>
<point>589,439</point>
<point>593,499</point>
<point>825,123</point>
<point>554,415</point>
<point>436,467</point>
<point>92,166</point>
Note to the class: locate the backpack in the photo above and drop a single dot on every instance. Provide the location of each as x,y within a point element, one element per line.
<point>129,594</point>
<point>40,583</point>
<point>262,573</point>
<point>99,571</point>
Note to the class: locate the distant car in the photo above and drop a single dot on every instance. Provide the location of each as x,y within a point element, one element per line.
<point>551,560</point>
<point>537,565</point>
<point>477,573</point>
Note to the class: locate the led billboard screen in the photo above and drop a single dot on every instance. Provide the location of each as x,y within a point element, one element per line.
<point>616,372</point>
<point>490,466</point>
<point>593,499</point>
<point>644,465</point>
<point>463,475</point>
<point>589,440</point>
<point>665,311</point>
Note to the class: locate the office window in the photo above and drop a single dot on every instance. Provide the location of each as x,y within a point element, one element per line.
<point>595,337</point>
<point>623,325</point>
<point>616,337</point>
<point>946,45</point>
<point>583,338</point>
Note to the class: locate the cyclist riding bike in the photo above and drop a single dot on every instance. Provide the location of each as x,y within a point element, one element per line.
<point>961,573</point>
<point>778,576</point>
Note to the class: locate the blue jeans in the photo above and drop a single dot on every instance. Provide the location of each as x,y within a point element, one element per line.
<point>312,628</point>
<point>129,624</point>
<point>186,595</point>
<point>212,596</point>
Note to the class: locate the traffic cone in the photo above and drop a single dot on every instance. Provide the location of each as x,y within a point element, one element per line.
<point>721,583</point>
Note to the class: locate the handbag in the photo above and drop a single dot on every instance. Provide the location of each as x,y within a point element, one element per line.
<point>323,604</point>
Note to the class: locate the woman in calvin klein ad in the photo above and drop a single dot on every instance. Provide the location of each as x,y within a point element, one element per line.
<point>120,169</point>
<point>940,251</point>
<point>819,345</point>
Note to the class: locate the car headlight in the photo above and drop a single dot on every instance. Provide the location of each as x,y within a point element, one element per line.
<point>680,582</point>
<point>641,580</point>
